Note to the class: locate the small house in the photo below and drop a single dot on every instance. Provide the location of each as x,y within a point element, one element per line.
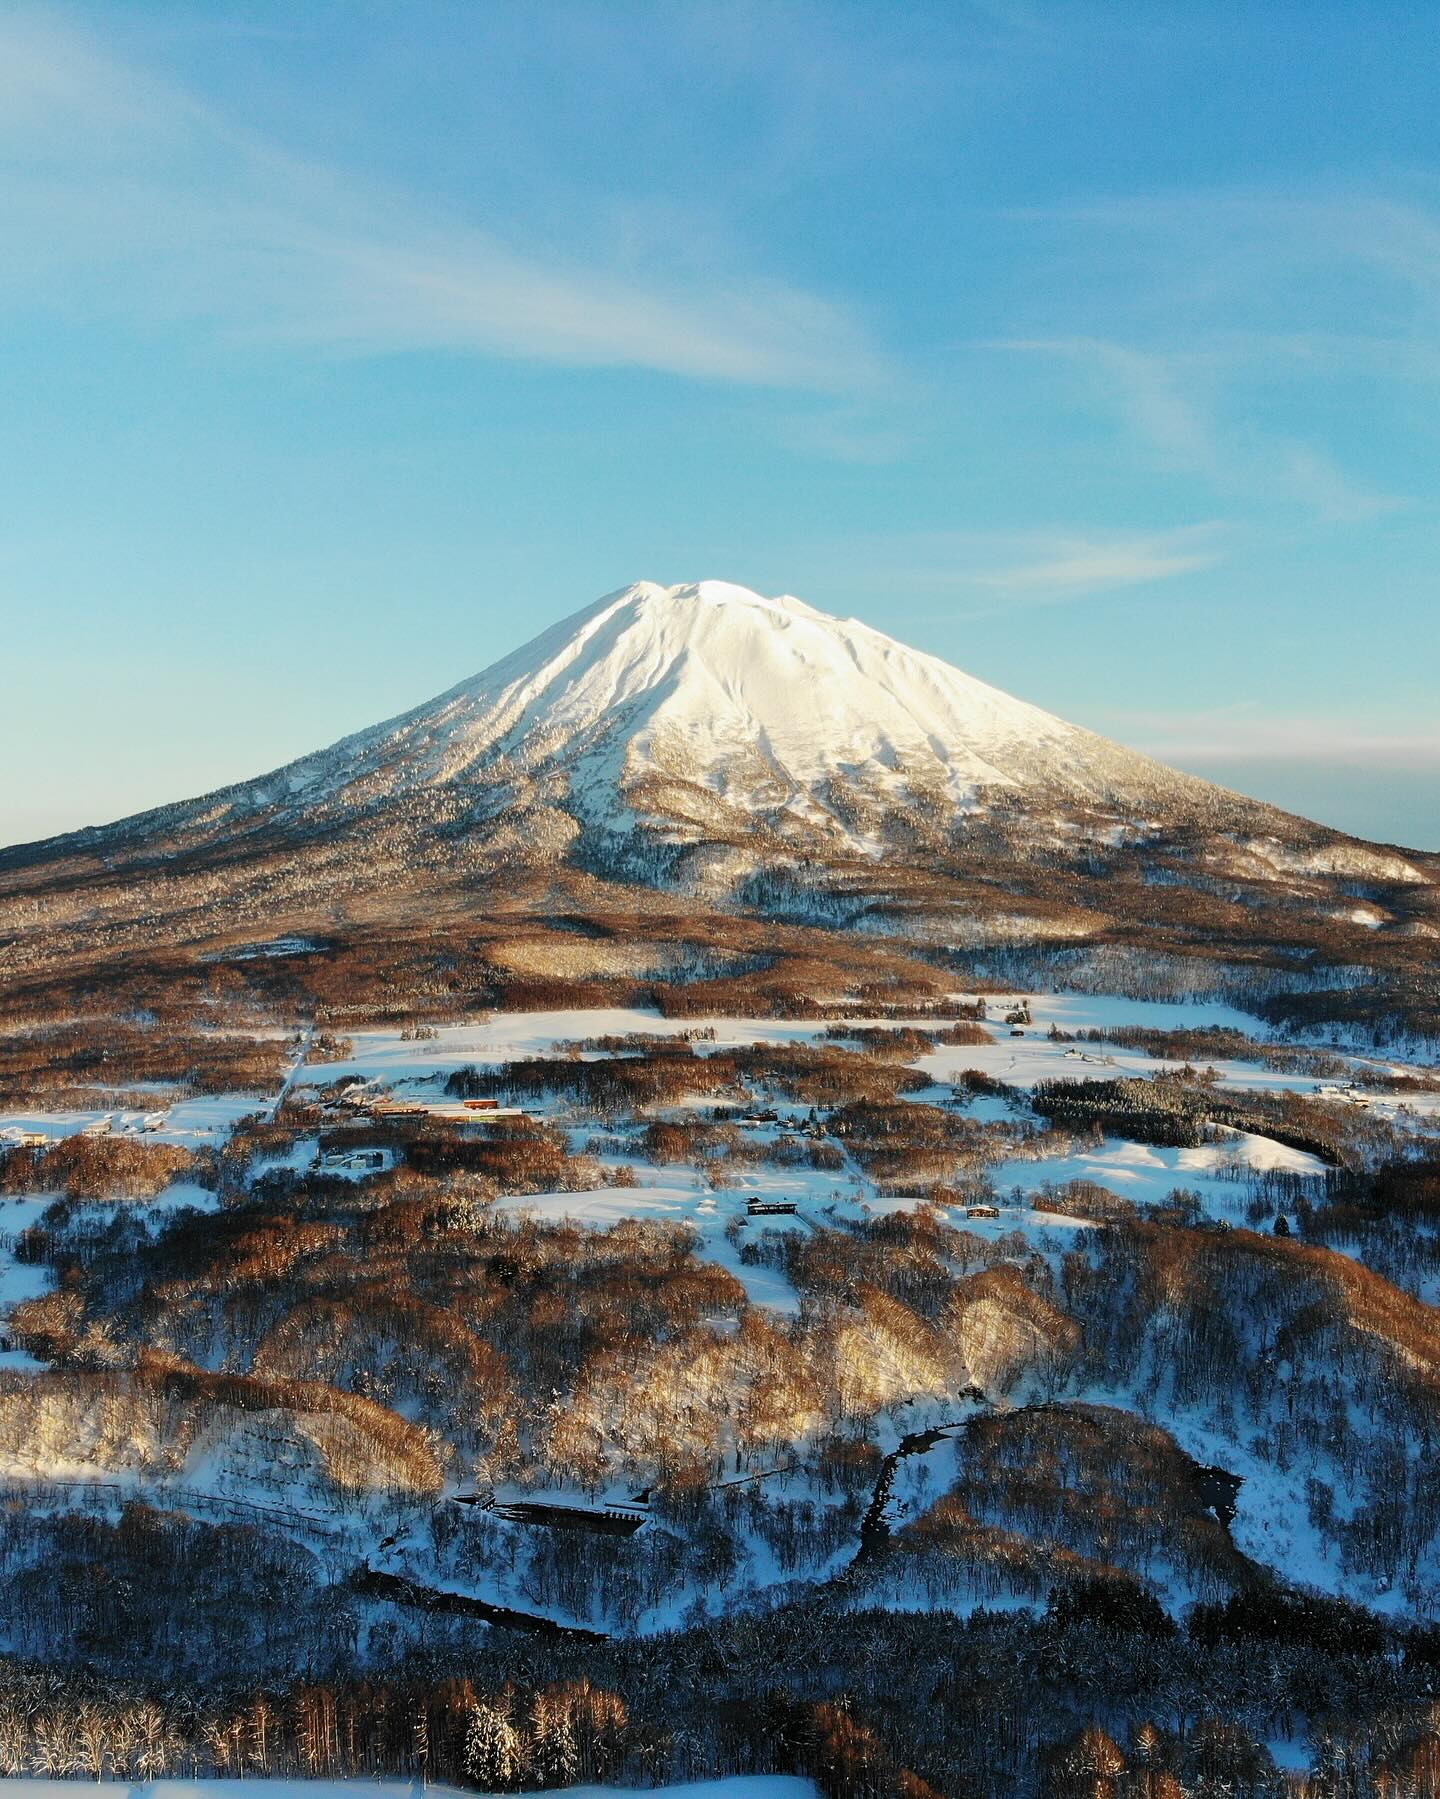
<point>12,1137</point>
<point>353,1161</point>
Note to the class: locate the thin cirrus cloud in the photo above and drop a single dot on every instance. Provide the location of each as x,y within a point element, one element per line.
<point>1249,733</point>
<point>1174,401</point>
<point>1263,243</point>
<point>980,574</point>
<point>1215,324</point>
<point>1254,275</point>
<point>129,195</point>
<point>1068,568</point>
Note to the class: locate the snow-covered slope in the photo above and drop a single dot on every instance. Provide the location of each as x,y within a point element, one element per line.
<point>702,710</point>
<point>712,674</point>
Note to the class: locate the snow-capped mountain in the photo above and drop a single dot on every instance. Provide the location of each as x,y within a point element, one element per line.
<point>700,707</point>
<point>764,702</point>
<point>708,741</point>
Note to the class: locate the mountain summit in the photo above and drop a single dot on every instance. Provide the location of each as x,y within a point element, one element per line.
<point>766,704</point>
<point>711,742</point>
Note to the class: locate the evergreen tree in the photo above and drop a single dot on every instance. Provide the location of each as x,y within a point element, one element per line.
<point>493,1751</point>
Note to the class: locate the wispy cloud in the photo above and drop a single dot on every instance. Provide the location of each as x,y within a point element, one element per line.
<point>1308,476</point>
<point>1175,403</point>
<point>1145,386</point>
<point>1272,242</point>
<point>1250,733</point>
<point>121,193</point>
<point>979,574</point>
<point>1218,327</point>
<point>1063,568</point>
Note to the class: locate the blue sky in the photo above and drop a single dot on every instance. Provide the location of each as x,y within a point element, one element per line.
<point>1093,347</point>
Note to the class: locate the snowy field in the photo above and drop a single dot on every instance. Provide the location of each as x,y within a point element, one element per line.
<point>385,1057</point>
<point>417,1068</point>
<point>203,1122</point>
<point>510,1036</point>
<point>1146,1173</point>
<point>679,1196</point>
<point>388,1059</point>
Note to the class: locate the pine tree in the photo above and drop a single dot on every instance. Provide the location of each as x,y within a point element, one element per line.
<point>557,1755</point>
<point>492,1752</point>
